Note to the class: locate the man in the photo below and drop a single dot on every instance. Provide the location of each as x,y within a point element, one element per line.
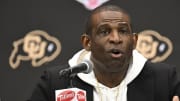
<point>119,73</point>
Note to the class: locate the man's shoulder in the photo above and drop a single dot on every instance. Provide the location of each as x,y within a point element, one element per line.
<point>159,71</point>
<point>159,67</point>
<point>53,71</point>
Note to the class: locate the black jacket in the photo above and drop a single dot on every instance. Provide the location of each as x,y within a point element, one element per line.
<point>156,82</point>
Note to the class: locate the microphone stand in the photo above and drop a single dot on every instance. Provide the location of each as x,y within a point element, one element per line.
<point>67,74</point>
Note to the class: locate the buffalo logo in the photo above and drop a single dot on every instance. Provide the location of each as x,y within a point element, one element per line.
<point>92,4</point>
<point>154,46</point>
<point>37,46</point>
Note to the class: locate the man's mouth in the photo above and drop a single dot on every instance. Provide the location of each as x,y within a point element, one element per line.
<point>116,53</point>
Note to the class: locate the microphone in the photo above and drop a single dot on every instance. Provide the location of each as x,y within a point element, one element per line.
<point>83,67</point>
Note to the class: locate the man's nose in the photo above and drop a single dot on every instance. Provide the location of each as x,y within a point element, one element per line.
<point>115,37</point>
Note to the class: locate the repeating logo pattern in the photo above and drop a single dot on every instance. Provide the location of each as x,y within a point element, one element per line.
<point>39,47</point>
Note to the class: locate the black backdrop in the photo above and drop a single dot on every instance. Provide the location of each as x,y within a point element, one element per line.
<point>64,20</point>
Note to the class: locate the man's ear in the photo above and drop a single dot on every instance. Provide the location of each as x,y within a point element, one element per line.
<point>86,42</point>
<point>135,38</point>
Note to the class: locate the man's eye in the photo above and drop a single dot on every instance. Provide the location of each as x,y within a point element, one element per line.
<point>104,31</point>
<point>124,31</point>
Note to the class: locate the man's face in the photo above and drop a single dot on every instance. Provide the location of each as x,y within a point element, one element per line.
<point>112,40</point>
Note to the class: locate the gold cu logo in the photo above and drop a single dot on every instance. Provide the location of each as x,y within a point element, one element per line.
<point>154,46</point>
<point>36,46</point>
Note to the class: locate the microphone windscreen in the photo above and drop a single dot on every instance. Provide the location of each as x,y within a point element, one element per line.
<point>89,66</point>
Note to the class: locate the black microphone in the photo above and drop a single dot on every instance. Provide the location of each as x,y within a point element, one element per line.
<point>83,67</point>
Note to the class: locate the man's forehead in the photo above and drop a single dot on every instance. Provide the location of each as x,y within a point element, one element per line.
<point>125,24</point>
<point>111,16</point>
